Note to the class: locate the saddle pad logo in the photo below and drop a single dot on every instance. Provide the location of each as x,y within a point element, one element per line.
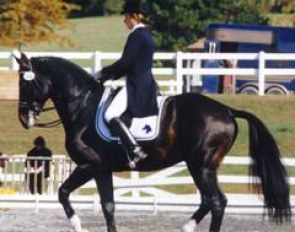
<point>147,128</point>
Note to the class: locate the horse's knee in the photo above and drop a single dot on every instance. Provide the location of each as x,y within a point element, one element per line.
<point>63,195</point>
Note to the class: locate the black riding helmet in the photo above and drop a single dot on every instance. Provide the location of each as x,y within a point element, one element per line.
<point>135,6</point>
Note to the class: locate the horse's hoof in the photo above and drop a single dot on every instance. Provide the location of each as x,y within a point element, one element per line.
<point>189,226</point>
<point>76,223</point>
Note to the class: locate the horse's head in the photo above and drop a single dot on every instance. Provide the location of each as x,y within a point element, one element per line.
<point>33,91</point>
<point>65,83</point>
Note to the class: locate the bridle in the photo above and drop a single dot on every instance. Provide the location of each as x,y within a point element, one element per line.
<point>29,77</point>
<point>33,107</point>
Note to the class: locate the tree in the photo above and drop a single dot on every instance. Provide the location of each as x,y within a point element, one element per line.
<point>113,7</point>
<point>177,23</point>
<point>97,7</point>
<point>88,7</point>
<point>25,22</point>
<point>281,12</point>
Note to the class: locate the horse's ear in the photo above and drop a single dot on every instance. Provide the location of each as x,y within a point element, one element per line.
<point>24,58</point>
<point>16,54</point>
<point>21,58</point>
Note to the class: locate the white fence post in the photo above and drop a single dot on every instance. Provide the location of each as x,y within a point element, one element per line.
<point>97,62</point>
<point>179,72</point>
<point>261,73</point>
<point>135,177</point>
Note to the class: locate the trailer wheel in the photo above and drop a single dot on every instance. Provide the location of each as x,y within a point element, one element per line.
<point>277,90</point>
<point>249,89</point>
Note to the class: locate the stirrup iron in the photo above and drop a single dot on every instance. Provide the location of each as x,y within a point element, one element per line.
<point>139,155</point>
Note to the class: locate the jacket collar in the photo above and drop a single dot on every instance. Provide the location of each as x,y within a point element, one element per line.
<point>140,25</point>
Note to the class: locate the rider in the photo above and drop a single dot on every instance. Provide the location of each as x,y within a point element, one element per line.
<point>139,97</point>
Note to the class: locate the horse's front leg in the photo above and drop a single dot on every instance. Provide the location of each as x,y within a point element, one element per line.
<point>79,150</point>
<point>81,175</point>
<point>104,181</point>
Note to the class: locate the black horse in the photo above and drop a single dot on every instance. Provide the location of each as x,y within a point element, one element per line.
<point>194,129</point>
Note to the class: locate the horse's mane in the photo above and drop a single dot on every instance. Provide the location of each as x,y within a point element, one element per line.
<point>60,68</point>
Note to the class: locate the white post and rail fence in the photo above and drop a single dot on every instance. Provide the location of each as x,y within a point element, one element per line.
<point>136,191</point>
<point>155,191</point>
<point>181,66</point>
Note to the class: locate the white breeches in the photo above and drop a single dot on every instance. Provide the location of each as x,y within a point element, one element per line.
<point>117,106</point>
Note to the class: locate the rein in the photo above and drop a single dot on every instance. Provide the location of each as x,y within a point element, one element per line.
<point>59,121</point>
<point>51,124</point>
<point>48,124</point>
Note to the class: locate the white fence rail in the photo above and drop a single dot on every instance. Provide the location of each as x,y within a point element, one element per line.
<point>172,77</point>
<point>134,191</point>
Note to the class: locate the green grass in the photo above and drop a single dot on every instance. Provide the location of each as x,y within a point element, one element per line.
<point>278,113</point>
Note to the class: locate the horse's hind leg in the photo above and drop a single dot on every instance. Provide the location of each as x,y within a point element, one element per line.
<point>77,178</point>
<point>212,199</point>
<point>215,199</point>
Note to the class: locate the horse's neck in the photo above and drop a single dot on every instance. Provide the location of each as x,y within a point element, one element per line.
<point>72,107</point>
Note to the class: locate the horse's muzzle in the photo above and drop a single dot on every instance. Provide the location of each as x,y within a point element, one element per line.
<point>28,118</point>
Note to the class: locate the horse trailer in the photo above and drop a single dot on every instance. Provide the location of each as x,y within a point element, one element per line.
<point>237,38</point>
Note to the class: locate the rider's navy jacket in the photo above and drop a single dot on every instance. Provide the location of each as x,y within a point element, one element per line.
<point>136,64</point>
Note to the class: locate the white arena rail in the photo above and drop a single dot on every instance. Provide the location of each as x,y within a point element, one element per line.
<point>134,191</point>
<point>183,65</point>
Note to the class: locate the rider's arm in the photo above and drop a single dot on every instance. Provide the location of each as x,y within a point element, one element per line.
<point>121,67</point>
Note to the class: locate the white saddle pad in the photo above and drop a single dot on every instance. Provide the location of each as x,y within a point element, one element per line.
<point>142,129</point>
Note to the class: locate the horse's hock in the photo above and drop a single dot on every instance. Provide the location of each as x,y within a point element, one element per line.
<point>8,85</point>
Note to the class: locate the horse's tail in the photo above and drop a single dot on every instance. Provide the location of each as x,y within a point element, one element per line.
<point>266,164</point>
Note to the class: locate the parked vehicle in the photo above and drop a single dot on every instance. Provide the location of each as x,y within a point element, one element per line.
<point>237,38</point>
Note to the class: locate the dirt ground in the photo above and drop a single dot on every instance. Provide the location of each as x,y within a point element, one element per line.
<point>26,220</point>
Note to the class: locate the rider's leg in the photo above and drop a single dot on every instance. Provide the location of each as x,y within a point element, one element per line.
<point>117,107</point>
<point>128,141</point>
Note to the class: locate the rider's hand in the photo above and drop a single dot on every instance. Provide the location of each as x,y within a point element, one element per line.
<point>98,76</point>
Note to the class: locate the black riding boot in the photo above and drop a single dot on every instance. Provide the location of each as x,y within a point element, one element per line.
<point>132,147</point>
